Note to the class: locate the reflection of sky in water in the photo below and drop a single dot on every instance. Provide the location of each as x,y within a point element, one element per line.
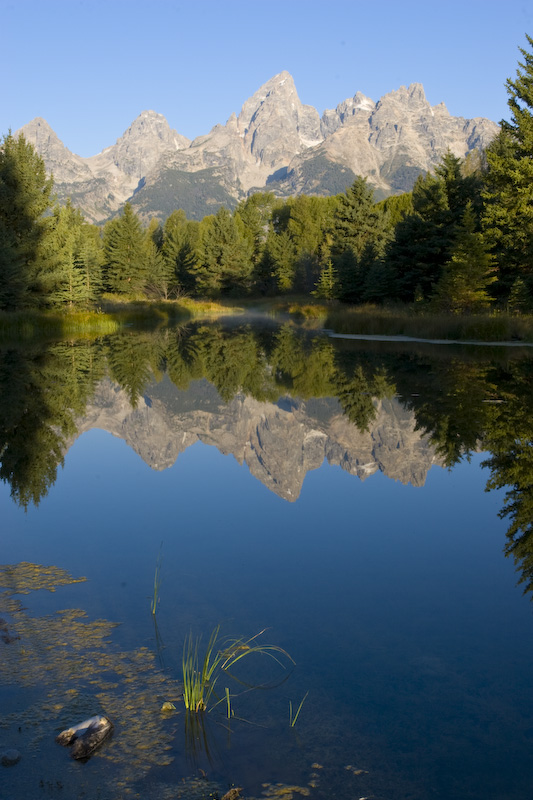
<point>396,603</point>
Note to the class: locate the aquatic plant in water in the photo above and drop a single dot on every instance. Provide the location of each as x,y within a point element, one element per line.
<point>292,716</point>
<point>157,583</point>
<point>200,678</point>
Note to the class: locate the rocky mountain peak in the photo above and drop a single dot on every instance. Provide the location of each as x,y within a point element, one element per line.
<point>276,125</point>
<point>141,146</point>
<point>64,165</point>
<point>280,88</point>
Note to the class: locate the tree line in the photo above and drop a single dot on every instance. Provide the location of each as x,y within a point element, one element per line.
<point>461,241</point>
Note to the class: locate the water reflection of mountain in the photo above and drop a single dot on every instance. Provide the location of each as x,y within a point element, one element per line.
<point>280,442</point>
<point>396,409</point>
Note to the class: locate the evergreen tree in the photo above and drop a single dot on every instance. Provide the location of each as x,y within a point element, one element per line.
<point>508,195</point>
<point>423,239</point>
<point>25,197</point>
<point>255,213</point>
<point>309,226</point>
<point>468,273</point>
<point>281,256</point>
<point>69,271</point>
<point>180,239</point>
<point>125,249</point>
<point>327,284</point>
<point>360,227</point>
<point>224,256</point>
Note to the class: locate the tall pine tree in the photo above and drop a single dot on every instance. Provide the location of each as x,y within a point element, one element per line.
<point>508,217</point>
<point>126,262</point>
<point>25,197</point>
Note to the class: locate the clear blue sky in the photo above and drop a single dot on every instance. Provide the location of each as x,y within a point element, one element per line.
<point>90,67</point>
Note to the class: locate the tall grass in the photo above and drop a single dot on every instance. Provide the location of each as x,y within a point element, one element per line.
<point>33,324</point>
<point>377,321</point>
<point>201,675</point>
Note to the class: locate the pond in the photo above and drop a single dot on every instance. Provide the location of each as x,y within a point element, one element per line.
<point>327,494</point>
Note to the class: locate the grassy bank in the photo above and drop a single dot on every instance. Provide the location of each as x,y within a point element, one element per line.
<point>114,313</point>
<point>128,311</point>
<point>33,324</point>
<point>489,327</point>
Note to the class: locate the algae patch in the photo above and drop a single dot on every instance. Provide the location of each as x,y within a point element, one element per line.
<point>66,664</point>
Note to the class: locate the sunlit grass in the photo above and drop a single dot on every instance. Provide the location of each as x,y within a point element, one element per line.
<point>32,324</point>
<point>138,308</point>
<point>201,675</point>
<point>210,306</point>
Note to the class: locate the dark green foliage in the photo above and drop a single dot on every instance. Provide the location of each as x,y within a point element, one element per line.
<point>223,256</point>
<point>520,299</point>
<point>43,390</point>
<point>280,258</point>
<point>397,206</point>
<point>424,238</point>
<point>469,271</point>
<point>125,246</point>
<point>309,225</point>
<point>360,232</point>
<point>255,214</point>
<point>327,286</point>
<point>180,239</point>
<point>133,360</point>
<point>71,259</point>
<point>510,442</point>
<point>508,195</point>
<point>25,197</point>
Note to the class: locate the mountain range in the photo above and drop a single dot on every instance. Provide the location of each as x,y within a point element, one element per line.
<point>276,143</point>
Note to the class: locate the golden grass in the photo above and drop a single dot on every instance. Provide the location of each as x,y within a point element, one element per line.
<point>30,324</point>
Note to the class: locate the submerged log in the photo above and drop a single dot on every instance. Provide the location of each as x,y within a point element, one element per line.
<point>86,736</point>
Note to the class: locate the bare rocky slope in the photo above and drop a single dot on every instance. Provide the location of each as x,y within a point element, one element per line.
<point>279,442</point>
<point>275,143</point>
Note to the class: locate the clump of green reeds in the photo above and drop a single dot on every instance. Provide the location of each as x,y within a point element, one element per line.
<point>200,676</point>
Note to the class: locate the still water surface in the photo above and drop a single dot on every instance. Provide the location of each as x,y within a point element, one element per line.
<point>363,540</point>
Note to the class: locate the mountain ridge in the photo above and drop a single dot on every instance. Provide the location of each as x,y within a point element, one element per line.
<point>275,143</point>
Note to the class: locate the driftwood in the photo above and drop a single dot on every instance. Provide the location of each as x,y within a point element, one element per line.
<point>86,736</point>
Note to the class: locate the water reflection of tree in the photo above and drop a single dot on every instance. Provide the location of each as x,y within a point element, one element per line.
<point>466,406</point>
<point>42,392</point>
<point>448,397</point>
<point>461,402</point>
<point>510,441</point>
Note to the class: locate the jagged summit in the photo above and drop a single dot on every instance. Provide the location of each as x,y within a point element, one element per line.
<point>274,143</point>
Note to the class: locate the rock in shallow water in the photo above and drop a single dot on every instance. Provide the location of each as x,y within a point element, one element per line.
<point>9,757</point>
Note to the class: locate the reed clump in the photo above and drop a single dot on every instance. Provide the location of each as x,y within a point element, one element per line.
<point>201,676</point>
